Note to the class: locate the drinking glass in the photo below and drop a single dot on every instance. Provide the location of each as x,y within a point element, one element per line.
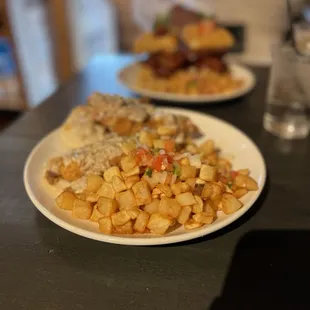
<point>288,97</point>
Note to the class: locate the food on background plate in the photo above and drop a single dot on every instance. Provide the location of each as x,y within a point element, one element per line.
<point>107,114</point>
<point>155,185</point>
<point>185,55</point>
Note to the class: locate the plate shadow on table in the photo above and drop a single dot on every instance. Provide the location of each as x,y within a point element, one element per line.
<point>270,269</point>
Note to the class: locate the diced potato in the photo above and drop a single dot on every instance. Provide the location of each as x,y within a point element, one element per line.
<point>224,163</point>
<point>159,223</point>
<point>133,213</point>
<point>109,173</point>
<point>214,203</point>
<point>168,178</point>
<point>93,183</point>
<point>246,182</point>
<point>244,171</point>
<point>186,199</point>
<point>184,214</point>
<point>203,217</point>
<point>200,181</point>
<point>207,147</point>
<point>166,130</point>
<point>187,172</point>
<point>198,190</point>
<point>192,224</point>
<point>208,173</point>
<point>191,182</point>
<point>81,196</point>
<point>169,207</point>
<point>92,197</point>
<point>206,191</point>
<point>159,144</point>
<point>128,147</point>
<point>156,191</point>
<point>165,189</point>
<point>106,206</point>
<point>66,200</point>
<point>141,221</point>
<point>124,229</point>
<point>185,161</point>
<point>212,159</point>
<point>209,210</point>
<point>96,215</point>
<point>106,190</point>
<point>181,187</point>
<point>192,148</point>
<point>217,190</point>
<point>105,225</point>
<point>120,218</point>
<point>142,193</point>
<point>128,163</point>
<point>71,172</point>
<point>126,200</point>
<point>230,203</point>
<point>131,181</point>
<point>152,207</point>
<point>133,171</point>
<point>240,192</point>
<point>146,138</point>
<point>82,209</point>
<point>198,206</point>
<point>118,184</point>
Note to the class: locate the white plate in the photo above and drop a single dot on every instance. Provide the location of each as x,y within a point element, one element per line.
<point>235,144</point>
<point>128,75</point>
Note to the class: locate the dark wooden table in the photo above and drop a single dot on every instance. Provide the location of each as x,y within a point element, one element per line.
<point>258,262</point>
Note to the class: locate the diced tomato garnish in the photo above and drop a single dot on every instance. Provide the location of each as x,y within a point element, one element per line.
<point>143,156</point>
<point>223,179</point>
<point>157,162</point>
<point>169,145</point>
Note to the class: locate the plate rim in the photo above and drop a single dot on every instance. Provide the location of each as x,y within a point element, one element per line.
<point>189,99</point>
<point>144,241</point>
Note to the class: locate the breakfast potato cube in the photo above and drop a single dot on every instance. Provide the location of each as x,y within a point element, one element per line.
<point>152,207</point>
<point>106,190</point>
<point>207,147</point>
<point>186,199</point>
<point>142,193</point>
<point>180,187</point>
<point>133,213</point>
<point>187,172</point>
<point>128,147</point>
<point>217,190</point>
<point>203,217</point>
<point>81,196</point>
<point>96,215</point>
<point>244,171</point>
<point>240,192</point>
<point>184,214</point>
<point>191,182</point>
<point>71,172</point>
<point>166,130</point>
<point>159,223</point>
<point>126,200</point>
<point>192,224</point>
<point>200,181</point>
<point>159,144</point>
<point>212,159</point>
<point>198,206</point>
<point>105,225</point>
<point>82,209</point>
<point>246,182</point>
<point>118,184</point>
<point>128,163</point>
<point>165,189</point>
<point>109,173</point>
<point>230,203</point>
<point>169,207</point>
<point>185,161</point>
<point>124,229</point>
<point>214,203</point>
<point>206,191</point>
<point>93,183</point>
<point>146,138</point>
<point>133,171</point>
<point>120,218</point>
<point>66,200</point>
<point>209,210</point>
<point>92,197</point>
<point>141,221</point>
<point>106,206</point>
<point>208,173</point>
<point>223,163</point>
<point>131,181</point>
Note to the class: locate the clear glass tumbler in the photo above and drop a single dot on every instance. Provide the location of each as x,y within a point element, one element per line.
<point>287,113</point>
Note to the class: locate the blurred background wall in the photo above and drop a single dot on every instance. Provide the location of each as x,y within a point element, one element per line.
<point>44,42</point>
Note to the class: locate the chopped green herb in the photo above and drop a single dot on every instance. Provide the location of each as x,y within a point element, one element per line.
<point>149,172</point>
<point>229,184</point>
<point>177,171</point>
